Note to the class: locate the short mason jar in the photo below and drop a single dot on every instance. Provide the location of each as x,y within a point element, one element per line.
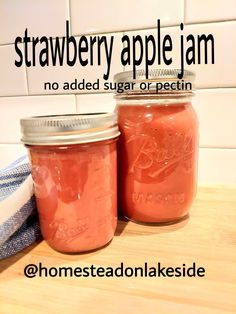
<point>158,147</point>
<point>74,167</point>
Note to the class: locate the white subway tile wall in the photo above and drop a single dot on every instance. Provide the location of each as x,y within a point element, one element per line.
<point>95,103</point>
<point>216,110</point>
<point>41,18</point>
<point>14,108</point>
<point>108,16</point>
<point>217,166</point>
<point>215,100</point>
<point>209,10</point>
<point>10,152</point>
<point>12,79</point>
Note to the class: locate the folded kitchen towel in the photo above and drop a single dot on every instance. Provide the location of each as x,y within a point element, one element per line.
<point>18,218</point>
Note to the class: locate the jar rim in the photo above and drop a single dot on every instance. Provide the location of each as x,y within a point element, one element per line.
<point>69,128</point>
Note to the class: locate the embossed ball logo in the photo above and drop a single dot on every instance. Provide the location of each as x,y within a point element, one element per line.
<point>156,157</point>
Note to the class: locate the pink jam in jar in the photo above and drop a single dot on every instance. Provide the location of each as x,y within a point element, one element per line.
<point>157,149</point>
<point>74,168</point>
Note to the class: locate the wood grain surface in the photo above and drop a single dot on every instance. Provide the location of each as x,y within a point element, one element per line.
<point>207,238</point>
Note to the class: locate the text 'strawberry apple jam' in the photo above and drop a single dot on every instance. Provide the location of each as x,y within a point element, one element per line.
<point>158,148</point>
<point>74,166</point>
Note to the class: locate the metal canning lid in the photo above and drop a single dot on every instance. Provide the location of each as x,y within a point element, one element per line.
<point>69,129</point>
<point>156,76</point>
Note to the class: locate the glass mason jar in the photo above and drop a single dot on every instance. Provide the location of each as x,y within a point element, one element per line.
<point>157,149</point>
<point>74,166</point>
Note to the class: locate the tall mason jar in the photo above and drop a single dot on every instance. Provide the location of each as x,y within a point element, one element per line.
<point>158,147</point>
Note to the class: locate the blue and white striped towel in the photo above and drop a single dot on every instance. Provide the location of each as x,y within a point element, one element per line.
<point>18,217</point>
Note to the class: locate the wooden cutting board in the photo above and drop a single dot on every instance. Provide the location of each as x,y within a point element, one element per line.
<point>207,238</point>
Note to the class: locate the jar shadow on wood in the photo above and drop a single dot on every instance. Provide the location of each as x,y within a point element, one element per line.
<point>140,229</point>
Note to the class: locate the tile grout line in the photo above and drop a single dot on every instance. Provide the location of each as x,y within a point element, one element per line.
<point>76,104</point>
<point>27,80</point>
<point>105,93</point>
<point>69,14</point>
<point>185,3</point>
<point>134,30</point>
<point>44,95</point>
